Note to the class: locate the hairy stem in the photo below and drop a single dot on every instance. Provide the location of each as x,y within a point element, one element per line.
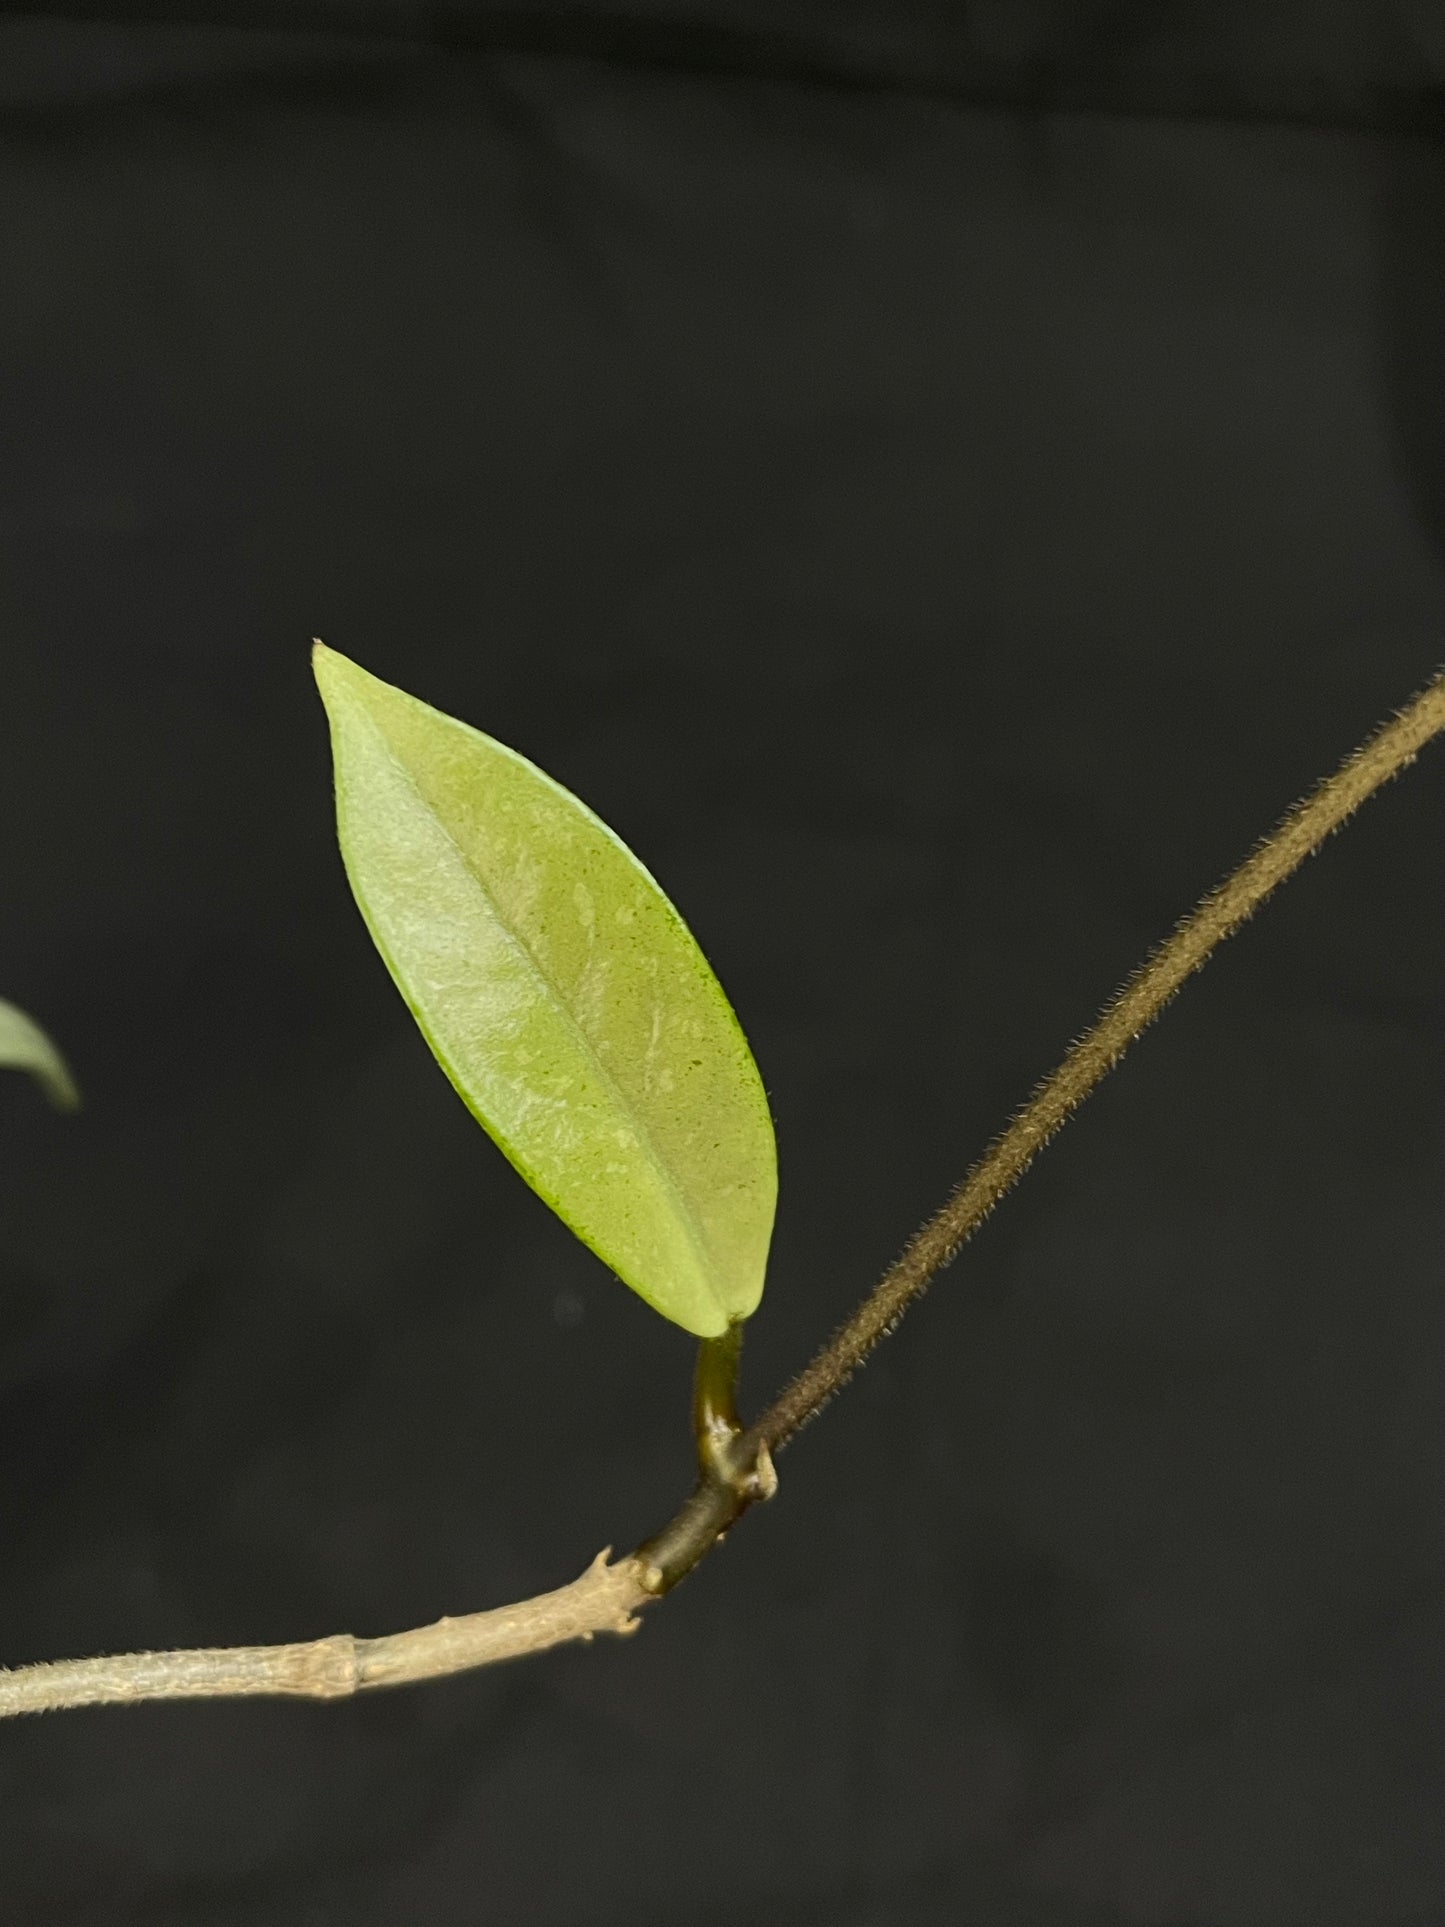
<point>736,1466</point>
<point>1301,831</point>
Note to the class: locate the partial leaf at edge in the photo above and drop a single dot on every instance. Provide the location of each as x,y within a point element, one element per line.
<point>562,994</point>
<point>25,1047</point>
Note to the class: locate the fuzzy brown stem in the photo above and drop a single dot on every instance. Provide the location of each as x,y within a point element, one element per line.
<point>1392,748</point>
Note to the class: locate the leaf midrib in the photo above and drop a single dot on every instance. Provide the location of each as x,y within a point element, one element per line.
<point>690,1223</point>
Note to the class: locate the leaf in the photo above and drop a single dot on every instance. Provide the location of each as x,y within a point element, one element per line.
<point>563,996</point>
<point>25,1047</point>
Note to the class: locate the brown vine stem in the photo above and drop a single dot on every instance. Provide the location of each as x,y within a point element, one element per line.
<point>736,1466</point>
<point>1392,748</point>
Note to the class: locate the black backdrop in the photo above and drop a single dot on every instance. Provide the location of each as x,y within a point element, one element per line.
<point>939,486</point>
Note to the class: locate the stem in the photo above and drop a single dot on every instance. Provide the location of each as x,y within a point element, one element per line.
<point>731,1477</point>
<point>736,1466</point>
<point>602,1600</point>
<point>1301,831</point>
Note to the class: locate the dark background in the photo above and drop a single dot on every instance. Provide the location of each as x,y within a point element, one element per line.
<point>939,480</point>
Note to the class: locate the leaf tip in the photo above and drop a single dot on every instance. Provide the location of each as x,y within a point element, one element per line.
<point>24,1046</point>
<point>340,681</point>
<point>62,1089</point>
<point>324,660</point>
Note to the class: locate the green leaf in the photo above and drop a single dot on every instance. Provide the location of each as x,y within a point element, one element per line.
<point>563,996</point>
<point>25,1047</point>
